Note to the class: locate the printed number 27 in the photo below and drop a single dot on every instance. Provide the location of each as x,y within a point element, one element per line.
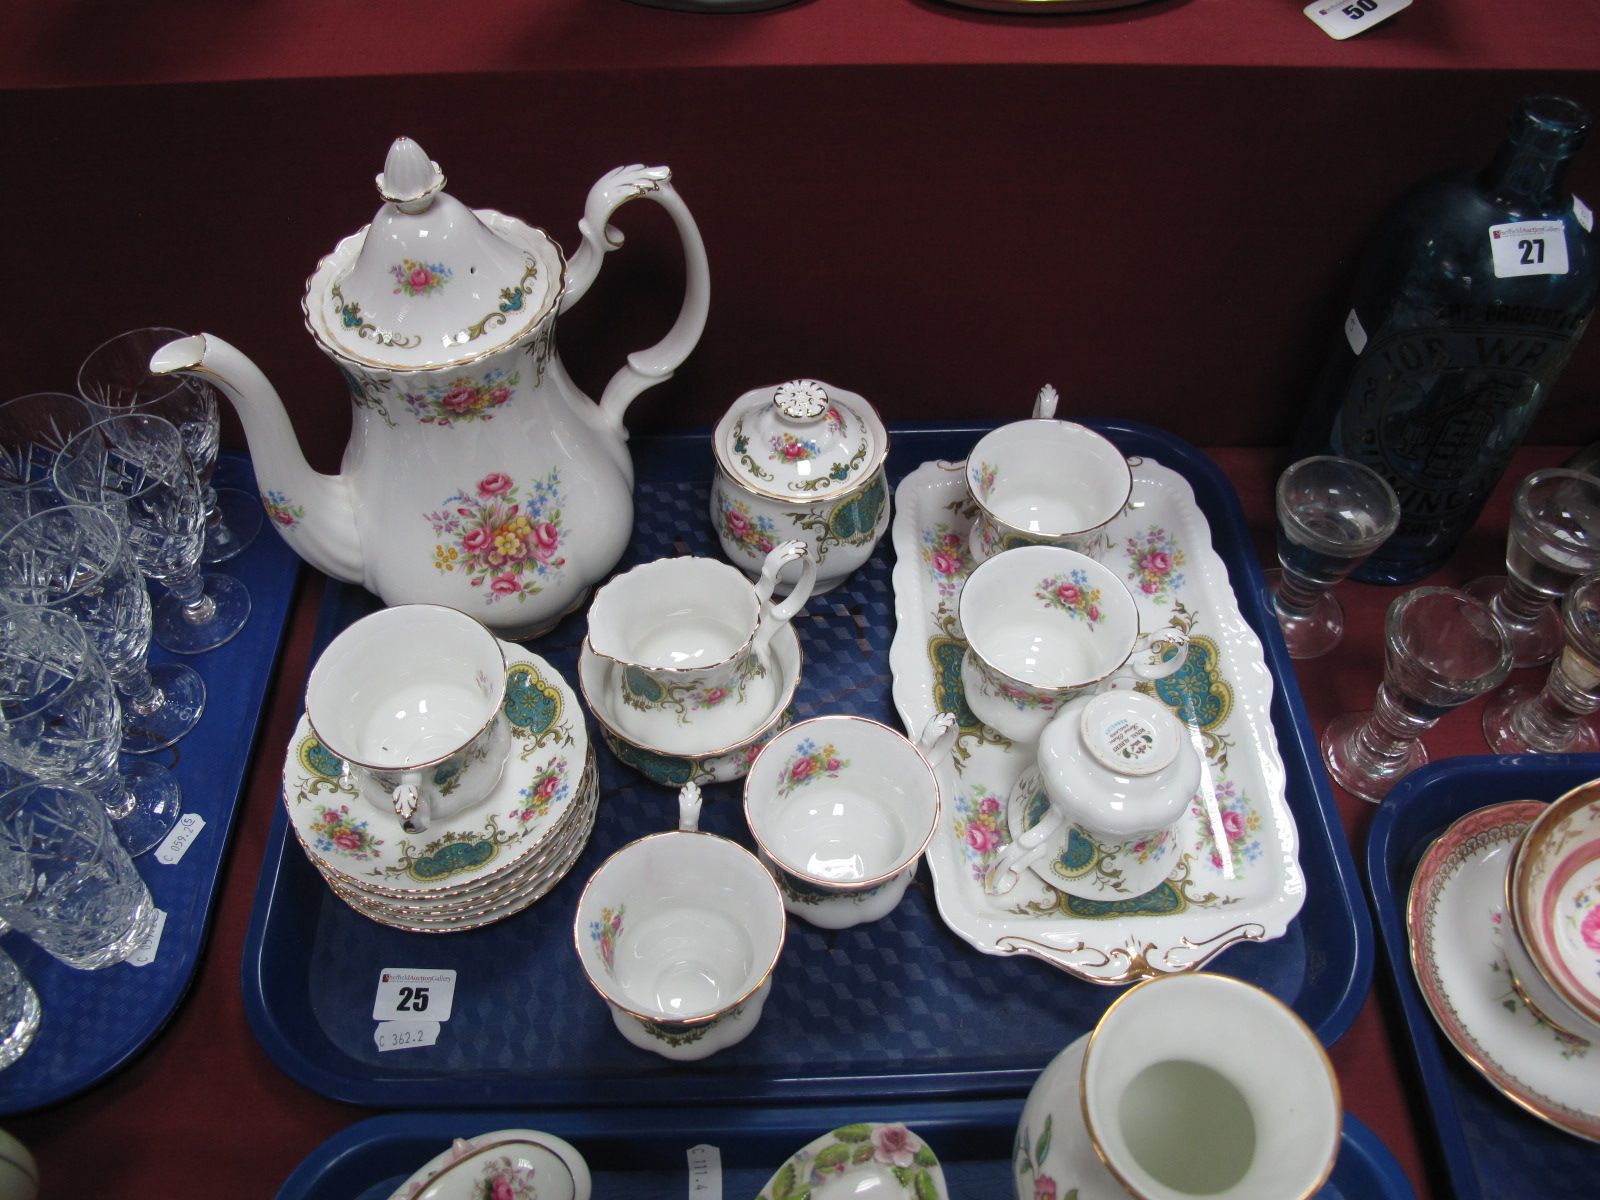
<point>1532,250</point>
<point>1359,9</point>
<point>412,999</point>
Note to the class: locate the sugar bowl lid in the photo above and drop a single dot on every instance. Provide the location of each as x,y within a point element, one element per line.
<point>431,282</point>
<point>800,440</point>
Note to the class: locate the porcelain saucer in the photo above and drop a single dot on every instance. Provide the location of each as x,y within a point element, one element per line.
<point>859,1160</point>
<point>355,839</point>
<point>1080,865</point>
<point>1455,921</point>
<point>476,911</point>
<point>715,764</point>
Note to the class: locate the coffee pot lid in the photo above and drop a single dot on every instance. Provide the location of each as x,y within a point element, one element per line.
<point>432,282</point>
<point>800,440</point>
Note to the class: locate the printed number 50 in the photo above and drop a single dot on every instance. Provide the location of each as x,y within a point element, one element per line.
<point>412,999</point>
<point>1360,9</point>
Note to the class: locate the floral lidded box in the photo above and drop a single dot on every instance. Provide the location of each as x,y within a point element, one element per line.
<point>801,460</point>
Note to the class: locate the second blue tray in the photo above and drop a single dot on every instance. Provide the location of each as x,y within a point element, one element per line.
<point>896,1008</point>
<point>644,1153</point>
<point>1488,1142</point>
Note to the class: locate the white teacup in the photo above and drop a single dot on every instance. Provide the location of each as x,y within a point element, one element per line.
<point>1045,625</point>
<point>842,808</point>
<point>688,641</point>
<point>1120,768</point>
<point>1045,482</point>
<point>409,698</point>
<point>679,933</point>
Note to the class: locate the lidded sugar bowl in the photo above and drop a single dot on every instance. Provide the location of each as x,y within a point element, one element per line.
<point>801,460</point>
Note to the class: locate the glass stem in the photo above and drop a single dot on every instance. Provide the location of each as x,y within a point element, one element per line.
<point>143,696</point>
<point>1296,597</point>
<point>115,796</point>
<point>1550,721</point>
<point>1384,743</point>
<point>1518,606</point>
<point>198,608</point>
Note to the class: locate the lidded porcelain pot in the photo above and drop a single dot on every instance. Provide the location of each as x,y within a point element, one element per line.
<point>477,475</point>
<point>801,460</point>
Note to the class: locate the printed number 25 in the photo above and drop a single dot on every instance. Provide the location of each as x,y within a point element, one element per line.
<point>412,999</point>
<point>1359,9</point>
<point>1532,250</point>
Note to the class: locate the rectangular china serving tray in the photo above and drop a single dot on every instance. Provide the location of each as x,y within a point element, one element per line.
<point>95,1021</point>
<point>1490,1146</point>
<point>644,1152</point>
<point>1236,875</point>
<point>899,1007</point>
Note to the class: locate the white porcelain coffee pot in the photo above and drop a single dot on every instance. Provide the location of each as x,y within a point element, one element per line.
<point>477,475</point>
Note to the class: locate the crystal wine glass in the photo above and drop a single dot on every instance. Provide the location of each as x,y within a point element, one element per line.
<point>116,378</point>
<point>1553,719</point>
<point>68,885</point>
<point>1554,538</point>
<point>19,1012</point>
<point>33,430</point>
<point>1332,513</point>
<point>59,719</point>
<point>75,558</point>
<point>137,462</point>
<point>1442,647</point>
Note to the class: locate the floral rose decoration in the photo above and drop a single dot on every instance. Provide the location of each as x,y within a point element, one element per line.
<point>1589,929</point>
<point>894,1145</point>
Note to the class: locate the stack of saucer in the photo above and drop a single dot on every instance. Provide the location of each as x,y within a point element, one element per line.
<point>478,866</point>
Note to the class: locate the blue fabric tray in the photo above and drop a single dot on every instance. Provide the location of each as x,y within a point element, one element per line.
<point>94,1021</point>
<point>1488,1143</point>
<point>641,1154</point>
<point>899,1007</point>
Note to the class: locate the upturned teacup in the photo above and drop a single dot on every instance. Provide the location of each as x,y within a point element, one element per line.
<point>409,698</point>
<point>842,808</point>
<point>679,933</point>
<point>1045,482</point>
<point>1045,625</point>
<point>688,639</point>
<point>1117,770</point>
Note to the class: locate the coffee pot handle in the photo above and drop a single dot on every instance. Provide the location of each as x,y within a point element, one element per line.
<point>644,368</point>
<point>773,616</point>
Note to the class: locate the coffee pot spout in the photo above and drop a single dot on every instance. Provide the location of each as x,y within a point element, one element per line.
<point>314,512</point>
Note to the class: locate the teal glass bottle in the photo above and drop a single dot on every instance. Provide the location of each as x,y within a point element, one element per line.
<point>1466,306</point>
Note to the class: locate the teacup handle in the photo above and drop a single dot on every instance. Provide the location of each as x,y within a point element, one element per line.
<point>1152,650</point>
<point>408,804</point>
<point>775,615</point>
<point>1044,404</point>
<point>1032,845</point>
<point>938,738</point>
<point>689,808</point>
